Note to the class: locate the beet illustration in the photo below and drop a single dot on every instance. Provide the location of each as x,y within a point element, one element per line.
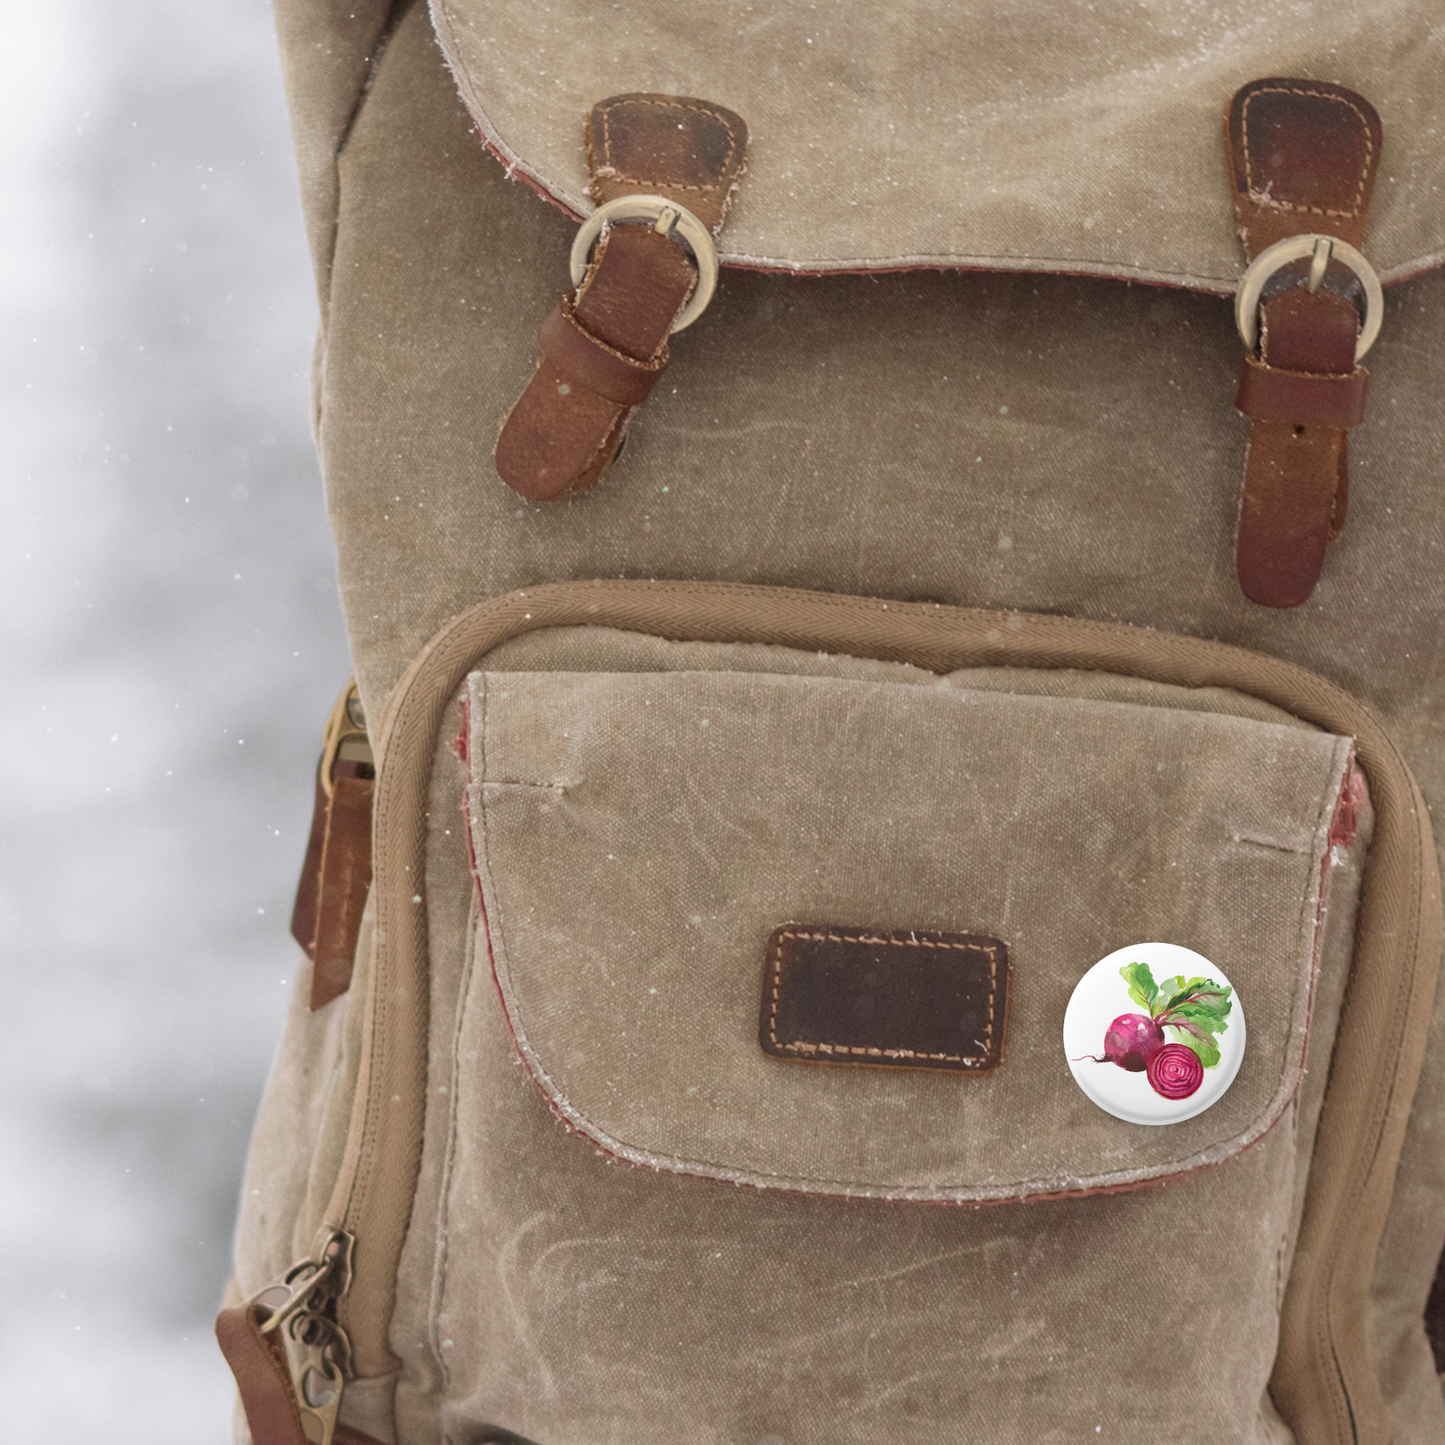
<point>1131,1041</point>
<point>1194,1010</point>
<point>1175,1071</point>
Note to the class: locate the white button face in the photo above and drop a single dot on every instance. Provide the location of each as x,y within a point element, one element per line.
<point>1154,1033</point>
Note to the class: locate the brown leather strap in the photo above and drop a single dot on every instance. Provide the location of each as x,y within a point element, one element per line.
<point>605,347</point>
<point>1302,398</point>
<point>577,353</point>
<point>331,896</point>
<point>262,1379</point>
<point>1303,157</point>
<point>308,886</point>
<point>345,879</point>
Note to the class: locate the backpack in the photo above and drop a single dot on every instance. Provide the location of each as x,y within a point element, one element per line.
<point>901,902</point>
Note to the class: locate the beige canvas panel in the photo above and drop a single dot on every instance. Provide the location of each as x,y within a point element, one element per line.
<point>638,838</point>
<point>978,133</point>
<point>1064,446</point>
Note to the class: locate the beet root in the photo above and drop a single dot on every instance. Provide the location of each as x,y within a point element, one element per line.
<point>1131,1041</point>
<point>1175,1071</point>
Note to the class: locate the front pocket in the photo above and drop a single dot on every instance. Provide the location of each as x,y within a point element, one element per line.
<point>639,837</point>
<point>583,1300</point>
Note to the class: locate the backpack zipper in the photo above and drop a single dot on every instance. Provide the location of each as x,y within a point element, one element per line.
<point>299,1309</point>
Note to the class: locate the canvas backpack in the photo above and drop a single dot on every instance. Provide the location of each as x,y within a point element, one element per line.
<point>901,904</point>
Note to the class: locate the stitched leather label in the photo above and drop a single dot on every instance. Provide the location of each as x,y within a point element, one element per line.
<point>904,999</point>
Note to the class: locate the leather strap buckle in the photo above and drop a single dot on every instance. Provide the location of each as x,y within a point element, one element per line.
<point>1320,250</point>
<point>664,168</point>
<point>668,219</point>
<point>1303,155</point>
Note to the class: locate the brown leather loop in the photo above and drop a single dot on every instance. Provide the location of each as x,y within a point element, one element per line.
<point>603,350</point>
<point>586,361</point>
<point>343,881</point>
<point>262,1378</point>
<point>1301,398</point>
<point>335,878</point>
<point>1303,156</point>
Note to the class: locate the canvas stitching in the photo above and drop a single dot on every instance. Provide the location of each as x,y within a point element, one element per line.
<point>612,174</point>
<point>1261,198</point>
<point>860,936</point>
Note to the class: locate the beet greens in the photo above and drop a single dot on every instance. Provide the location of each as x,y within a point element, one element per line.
<point>1193,1011</point>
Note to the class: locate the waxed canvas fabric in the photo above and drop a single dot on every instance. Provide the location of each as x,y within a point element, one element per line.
<point>987,133</point>
<point>637,839</point>
<point>1044,443</point>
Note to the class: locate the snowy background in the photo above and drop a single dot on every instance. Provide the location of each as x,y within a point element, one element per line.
<point>170,645</point>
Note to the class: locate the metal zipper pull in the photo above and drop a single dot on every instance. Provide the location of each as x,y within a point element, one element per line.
<point>300,1309</point>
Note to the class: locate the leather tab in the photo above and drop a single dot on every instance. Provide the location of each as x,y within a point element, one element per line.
<point>604,348</point>
<point>908,1000</point>
<point>1301,398</point>
<point>1303,157</point>
<point>590,363</point>
<point>688,151</point>
<point>1295,478</point>
<point>308,886</point>
<point>336,874</point>
<point>262,1379</point>
<point>345,877</point>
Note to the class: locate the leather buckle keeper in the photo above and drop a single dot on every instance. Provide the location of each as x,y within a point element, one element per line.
<point>605,346</point>
<point>1303,157</point>
<point>336,874</point>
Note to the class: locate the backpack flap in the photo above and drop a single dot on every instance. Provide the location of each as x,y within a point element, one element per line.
<point>1078,139</point>
<point>640,838</point>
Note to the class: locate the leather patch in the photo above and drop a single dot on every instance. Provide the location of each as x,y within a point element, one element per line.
<point>906,1000</point>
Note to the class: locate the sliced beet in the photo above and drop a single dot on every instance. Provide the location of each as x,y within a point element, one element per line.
<point>1175,1071</point>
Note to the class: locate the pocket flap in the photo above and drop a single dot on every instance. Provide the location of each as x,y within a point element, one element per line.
<point>1067,138</point>
<point>640,837</point>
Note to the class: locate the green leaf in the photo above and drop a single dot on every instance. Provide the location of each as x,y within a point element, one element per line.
<point>1202,1044</point>
<point>1196,994</point>
<point>1171,990</point>
<point>1142,988</point>
<point>1211,1015</point>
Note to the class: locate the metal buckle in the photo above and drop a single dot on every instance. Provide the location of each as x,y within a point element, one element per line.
<point>1321,250</point>
<point>668,219</point>
<point>346,727</point>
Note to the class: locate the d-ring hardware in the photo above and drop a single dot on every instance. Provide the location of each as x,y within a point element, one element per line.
<point>668,219</point>
<point>1321,250</point>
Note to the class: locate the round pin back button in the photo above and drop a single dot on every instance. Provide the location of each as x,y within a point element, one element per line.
<point>1154,1033</point>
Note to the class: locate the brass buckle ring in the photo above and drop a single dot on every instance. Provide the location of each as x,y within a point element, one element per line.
<point>1321,250</point>
<point>668,219</point>
<point>346,723</point>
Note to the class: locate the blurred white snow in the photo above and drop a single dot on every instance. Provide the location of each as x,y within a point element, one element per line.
<point>170,642</point>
